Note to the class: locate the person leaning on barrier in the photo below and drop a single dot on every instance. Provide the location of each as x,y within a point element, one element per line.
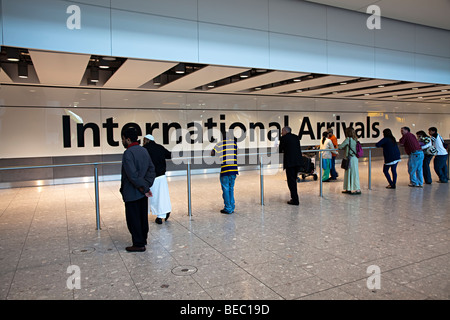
<point>292,161</point>
<point>415,160</point>
<point>391,154</point>
<point>428,152</point>
<point>138,174</point>
<point>227,151</point>
<point>440,164</point>
<point>159,203</point>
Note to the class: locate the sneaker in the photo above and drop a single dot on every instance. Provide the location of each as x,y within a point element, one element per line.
<point>225,211</point>
<point>412,185</point>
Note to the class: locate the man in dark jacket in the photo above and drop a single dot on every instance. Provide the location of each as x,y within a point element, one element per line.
<point>138,174</point>
<point>292,160</point>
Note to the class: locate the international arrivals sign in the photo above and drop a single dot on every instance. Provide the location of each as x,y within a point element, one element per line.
<point>210,130</point>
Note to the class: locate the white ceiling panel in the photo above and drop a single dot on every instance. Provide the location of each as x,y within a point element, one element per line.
<point>4,78</point>
<point>387,89</point>
<point>256,81</point>
<point>305,84</point>
<point>54,68</point>
<point>202,77</point>
<point>134,73</point>
<point>342,87</point>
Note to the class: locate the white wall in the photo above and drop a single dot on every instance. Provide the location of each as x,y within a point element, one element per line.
<point>277,34</point>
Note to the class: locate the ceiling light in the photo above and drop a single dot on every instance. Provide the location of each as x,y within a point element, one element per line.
<point>299,90</point>
<point>380,86</point>
<point>157,81</point>
<point>180,69</point>
<point>420,97</point>
<point>94,74</point>
<point>444,90</point>
<point>104,64</point>
<point>367,94</point>
<point>297,80</point>
<point>109,58</point>
<point>12,54</point>
<point>211,85</point>
<point>258,88</point>
<point>415,88</point>
<point>343,83</point>
<point>23,69</point>
<point>246,74</point>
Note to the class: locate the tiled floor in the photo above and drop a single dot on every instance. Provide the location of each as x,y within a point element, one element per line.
<point>318,250</point>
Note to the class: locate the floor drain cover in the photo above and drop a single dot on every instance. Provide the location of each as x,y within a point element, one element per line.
<point>184,270</point>
<point>83,250</point>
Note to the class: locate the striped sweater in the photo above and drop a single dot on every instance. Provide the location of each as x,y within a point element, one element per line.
<point>227,151</point>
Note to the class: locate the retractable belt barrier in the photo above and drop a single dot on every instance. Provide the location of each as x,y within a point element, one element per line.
<point>188,175</point>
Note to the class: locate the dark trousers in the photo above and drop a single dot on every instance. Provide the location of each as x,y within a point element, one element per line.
<point>136,213</point>
<point>440,167</point>
<point>393,168</point>
<point>333,171</point>
<point>291,175</point>
<point>426,168</point>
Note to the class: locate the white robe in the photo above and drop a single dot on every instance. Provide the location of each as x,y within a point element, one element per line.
<point>159,204</point>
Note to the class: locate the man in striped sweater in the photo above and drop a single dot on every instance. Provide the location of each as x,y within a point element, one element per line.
<point>227,151</point>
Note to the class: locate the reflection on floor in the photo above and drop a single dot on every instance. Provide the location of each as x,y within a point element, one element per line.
<point>321,249</point>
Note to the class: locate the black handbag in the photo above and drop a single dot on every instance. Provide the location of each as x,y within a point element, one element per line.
<point>345,164</point>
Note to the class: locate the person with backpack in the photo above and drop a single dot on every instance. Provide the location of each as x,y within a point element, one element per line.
<point>429,151</point>
<point>440,159</point>
<point>391,155</point>
<point>351,176</point>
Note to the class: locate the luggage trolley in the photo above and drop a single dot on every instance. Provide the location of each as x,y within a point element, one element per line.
<point>308,168</point>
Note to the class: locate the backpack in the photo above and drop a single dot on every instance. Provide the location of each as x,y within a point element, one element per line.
<point>359,150</point>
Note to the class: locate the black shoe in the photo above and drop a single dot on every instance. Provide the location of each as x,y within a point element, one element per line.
<point>225,211</point>
<point>135,249</point>
<point>167,216</point>
<point>390,187</point>
<point>292,202</point>
<point>158,220</point>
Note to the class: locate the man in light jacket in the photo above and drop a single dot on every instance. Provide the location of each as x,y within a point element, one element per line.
<point>138,174</point>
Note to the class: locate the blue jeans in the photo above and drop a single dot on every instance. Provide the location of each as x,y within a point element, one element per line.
<point>227,183</point>
<point>440,166</point>
<point>415,168</point>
